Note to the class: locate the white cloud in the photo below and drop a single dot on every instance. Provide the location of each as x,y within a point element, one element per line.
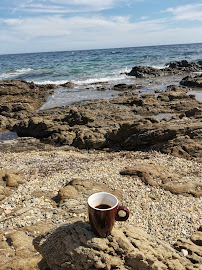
<point>37,27</point>
<point>63,6</point>
<point>58,25</point>
<point>188,12</point>
<point>57,32</point>
<point>98,4</point>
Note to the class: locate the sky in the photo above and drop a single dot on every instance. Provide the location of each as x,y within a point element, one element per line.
<point>60,25</point>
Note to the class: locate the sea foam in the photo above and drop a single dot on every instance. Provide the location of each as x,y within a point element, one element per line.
<point>14,73</point>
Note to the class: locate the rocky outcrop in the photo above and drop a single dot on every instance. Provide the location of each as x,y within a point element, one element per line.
<point>68,85</point>
<point>191,248</point>
<point>157,176</point>
<point>145,72</point>
<point>22,144</point>
<point>134,126</point>
<point>9,181</point>
<point>76,247</point>
<point>169,121</point>
<point>77,187</point>
<point>184,66</point>
<point>20,98</point>
<point>163,136</point>
<point>18,252</point>
<point>192,81</point>
<point>177,67</point>
<point>125,87</point>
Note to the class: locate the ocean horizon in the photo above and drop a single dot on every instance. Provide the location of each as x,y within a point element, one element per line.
<point>110,48</point>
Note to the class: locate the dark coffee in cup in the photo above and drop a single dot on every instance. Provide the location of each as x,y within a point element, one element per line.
<point>103,206</point>
<point>103,211</point>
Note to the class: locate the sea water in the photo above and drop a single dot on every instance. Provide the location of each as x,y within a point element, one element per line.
<point>86,67</point>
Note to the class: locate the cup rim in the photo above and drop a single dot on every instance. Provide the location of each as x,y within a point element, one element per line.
<point>97,209</point>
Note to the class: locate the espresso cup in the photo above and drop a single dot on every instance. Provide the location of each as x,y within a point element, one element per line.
<point>103,211</point>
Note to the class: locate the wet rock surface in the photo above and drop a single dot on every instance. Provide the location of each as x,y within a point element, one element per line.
<point>191,81</point>
<point>176,67</point>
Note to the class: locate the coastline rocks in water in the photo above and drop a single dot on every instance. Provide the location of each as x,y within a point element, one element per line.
<point>144,72</point>
<point>185,66</point>
<point>176,88</point>
<point>192,81</point>
<point>124,87</point>
<point>174,100</point>
<point>68,85</point>
<point>75,246</point>
<point>100,124</point>
<point>20,98</point>
<point>130,121</point>
<point>177,67</point>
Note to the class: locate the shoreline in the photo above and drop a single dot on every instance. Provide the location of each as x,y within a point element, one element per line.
<point>65,154</point>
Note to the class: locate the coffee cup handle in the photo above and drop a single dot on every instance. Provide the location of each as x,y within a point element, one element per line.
<point>125,209</point>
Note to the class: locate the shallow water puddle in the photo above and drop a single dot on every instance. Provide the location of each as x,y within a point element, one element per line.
<point>198,94</point>
<point>8,135</point>
<point>161,116</point>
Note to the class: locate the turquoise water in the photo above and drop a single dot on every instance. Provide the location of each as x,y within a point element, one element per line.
<point>89,66</point>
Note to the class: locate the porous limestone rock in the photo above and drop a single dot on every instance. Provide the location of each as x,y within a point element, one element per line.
<point>66,193</point>
<point>17,252</point>
<point>191,248</point>
<point>175,183</point>
<point>13,180</point>
<point>76,247</point>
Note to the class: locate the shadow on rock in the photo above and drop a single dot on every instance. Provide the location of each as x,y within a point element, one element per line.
<point>75,246</point>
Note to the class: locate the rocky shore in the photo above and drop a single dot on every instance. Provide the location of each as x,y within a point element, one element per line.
<point>144,148</point>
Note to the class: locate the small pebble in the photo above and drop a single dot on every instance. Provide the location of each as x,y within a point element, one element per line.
<point>7,212</point>
<point>184,252</point>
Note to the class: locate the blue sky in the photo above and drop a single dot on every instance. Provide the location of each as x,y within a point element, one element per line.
<point>55,25</point>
